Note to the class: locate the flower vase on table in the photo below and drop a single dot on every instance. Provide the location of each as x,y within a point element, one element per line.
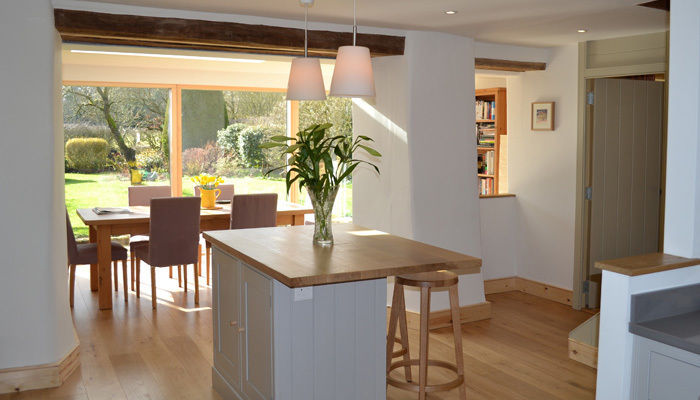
<point>320,161</point>
<point>207,189</point>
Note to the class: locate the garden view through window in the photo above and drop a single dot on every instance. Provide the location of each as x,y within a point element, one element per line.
<point>111,131</point>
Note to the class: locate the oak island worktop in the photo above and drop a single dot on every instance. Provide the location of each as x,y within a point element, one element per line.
<point>298,321</point>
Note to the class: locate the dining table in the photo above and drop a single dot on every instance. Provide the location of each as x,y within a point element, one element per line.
<point>135,220</point>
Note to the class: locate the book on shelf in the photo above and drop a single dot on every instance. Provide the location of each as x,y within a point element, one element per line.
<point>486,186</point>
<point>485,110</point>
<point>485,163</point>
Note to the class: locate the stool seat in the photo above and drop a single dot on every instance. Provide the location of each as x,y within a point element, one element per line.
<point>436,279</point>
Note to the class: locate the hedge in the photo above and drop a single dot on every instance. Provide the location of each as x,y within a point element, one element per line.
<point>87,154</point>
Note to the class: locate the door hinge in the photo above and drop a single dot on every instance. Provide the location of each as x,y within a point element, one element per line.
<point>589,193</point>
<point>590,97</point>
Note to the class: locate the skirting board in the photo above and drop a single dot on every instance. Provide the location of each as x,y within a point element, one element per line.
<point>443,318</point>
<point>43,376</point>
<point>538,289</point>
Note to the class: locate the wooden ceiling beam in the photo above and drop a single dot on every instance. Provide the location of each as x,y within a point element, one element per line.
<point>508,65</point>
<point>658,4</point>
<point>134,30</point>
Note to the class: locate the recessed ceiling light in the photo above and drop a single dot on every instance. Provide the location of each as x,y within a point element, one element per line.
<point>582,30</point>
<point>177,56</point>
<point>450,12</point>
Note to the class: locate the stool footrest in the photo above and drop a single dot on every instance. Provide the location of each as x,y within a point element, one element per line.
<point>428,388</point>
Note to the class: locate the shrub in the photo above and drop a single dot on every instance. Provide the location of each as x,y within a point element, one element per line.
<point>197,160</point>
<point>87,154</point>
<point>151,160</point>
<point>72,131</point>
<point>228,139</point>
<point>252,156</point>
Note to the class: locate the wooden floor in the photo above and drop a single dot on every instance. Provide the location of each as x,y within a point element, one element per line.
<point>135,353</point>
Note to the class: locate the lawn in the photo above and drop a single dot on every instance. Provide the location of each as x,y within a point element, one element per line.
<point>110,190</point>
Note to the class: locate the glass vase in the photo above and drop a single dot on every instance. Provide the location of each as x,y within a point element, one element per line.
<point>322,202</point>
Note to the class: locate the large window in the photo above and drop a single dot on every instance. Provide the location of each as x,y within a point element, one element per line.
<point>107,130</point>
<point>169,134</point>
<point>221,135</point>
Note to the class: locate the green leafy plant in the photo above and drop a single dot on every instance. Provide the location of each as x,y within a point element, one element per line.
<point>312,155</point>
<point>320,162</point>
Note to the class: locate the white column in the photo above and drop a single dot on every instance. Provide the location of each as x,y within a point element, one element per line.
<point>682,222</point>
<point>423,119</point>
<point>36,323</point>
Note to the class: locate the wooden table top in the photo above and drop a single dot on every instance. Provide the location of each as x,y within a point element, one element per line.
<point>646,264</point>
<point>288,255</point>
<point>143,214</point>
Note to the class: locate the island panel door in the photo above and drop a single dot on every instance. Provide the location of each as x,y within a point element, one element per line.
<point>257,346</point>
<point>227,306</point>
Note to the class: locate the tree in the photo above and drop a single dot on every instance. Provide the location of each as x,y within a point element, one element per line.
<point>120,109</point>
<point>335,110</point>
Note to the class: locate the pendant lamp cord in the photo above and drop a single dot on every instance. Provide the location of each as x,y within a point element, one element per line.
<point>354,22</point>
<point>306,31</point>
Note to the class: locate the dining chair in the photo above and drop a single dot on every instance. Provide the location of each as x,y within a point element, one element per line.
<point>227,192</point>
<point>249,211</point>
<point>86,253</point>
<point>173,240</point>
<point>141,196</point>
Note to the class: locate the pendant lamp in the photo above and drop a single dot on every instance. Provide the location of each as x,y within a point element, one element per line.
<point>305,77</point>
<point>353,75</point>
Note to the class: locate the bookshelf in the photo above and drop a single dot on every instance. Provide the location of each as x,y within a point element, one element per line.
<point>491,117</point>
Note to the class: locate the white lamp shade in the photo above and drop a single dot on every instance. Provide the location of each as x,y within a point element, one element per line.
<point>353,76</point>
<point>306,80</point>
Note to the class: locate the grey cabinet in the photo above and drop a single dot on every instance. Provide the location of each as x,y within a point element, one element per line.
<point>242,311</point>
<point>662,372</point>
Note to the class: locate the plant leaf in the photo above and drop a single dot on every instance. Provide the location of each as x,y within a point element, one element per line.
<point>370,150</point>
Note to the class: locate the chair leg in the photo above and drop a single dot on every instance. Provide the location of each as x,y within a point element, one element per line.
<point>154,295</point>
<point>133,278</point>
<point>126,282</point>
<point>423,360</point>
<point>199,260</point>
<point>179,275</point>
<point>184,275</point>
<point>457,330</point>
<point>115,267</point>
<point>138,278</point>
<point>170,272</point>
<point>393,317</point>
<point>208,257</point>
<point>403,327</point>
<point>196,283</point>
<point>72,284</point>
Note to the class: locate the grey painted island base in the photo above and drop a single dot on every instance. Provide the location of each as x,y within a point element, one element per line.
<point>270,345</point>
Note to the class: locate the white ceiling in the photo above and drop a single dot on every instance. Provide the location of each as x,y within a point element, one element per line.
<point>525,22</point>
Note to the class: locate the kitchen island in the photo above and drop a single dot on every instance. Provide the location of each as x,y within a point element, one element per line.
<point>295,321</point>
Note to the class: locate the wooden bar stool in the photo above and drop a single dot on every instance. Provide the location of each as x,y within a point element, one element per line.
<point>425,281</point>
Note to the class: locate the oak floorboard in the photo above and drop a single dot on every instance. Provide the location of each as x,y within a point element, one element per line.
<point>132,352</point>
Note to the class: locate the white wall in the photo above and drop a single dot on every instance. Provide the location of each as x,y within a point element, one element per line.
<point>499,237</point>
<point>420,119</point>
<point>542,169</point>
<point>36,324</point>
<point>682,220</point>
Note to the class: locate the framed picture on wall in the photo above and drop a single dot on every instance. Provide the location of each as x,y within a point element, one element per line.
<point>543,116</point>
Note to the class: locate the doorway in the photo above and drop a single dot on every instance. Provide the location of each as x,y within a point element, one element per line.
<point>624,172</point>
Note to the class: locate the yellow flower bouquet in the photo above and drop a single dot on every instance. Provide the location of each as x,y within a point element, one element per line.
<point>207,189</point>
<point>207,182</point>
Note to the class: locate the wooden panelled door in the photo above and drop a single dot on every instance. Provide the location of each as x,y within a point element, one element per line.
<point>626,131</point>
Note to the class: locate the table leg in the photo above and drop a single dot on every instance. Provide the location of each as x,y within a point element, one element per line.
<point>298,219</point>
<point>104,258</point>
<point>93,267</point>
